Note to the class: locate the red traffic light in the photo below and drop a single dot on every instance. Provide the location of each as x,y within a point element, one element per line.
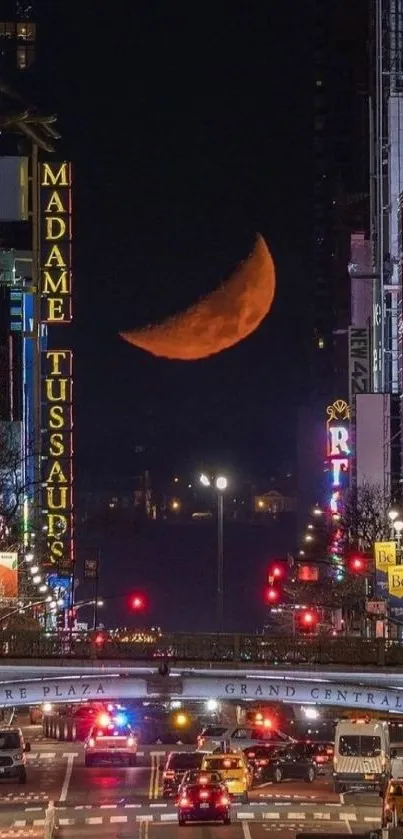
<point>276,571</point>
<point>308,619</point>
<point>137,602</point>
<point>272,595</point>
<point>99,639</point>
<point>357,564</point>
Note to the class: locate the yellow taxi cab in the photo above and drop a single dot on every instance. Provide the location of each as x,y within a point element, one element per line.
<point>392,810</point>
<point>234,772</point>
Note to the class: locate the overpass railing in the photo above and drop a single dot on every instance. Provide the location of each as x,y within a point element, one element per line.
<point>227,650</point>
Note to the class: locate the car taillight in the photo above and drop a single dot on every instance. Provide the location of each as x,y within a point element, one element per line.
<point>131,741</point>
<point>251,754</point>
<point>184,802</point>
<point>224,801</point>
<point>262,762</point>
<point>320,759</point>
<point>169,774</point>
<point>91,742</point>
<point>204,794</point>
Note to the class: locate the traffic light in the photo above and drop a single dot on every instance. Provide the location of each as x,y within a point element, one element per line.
<point>272,596</point>
<point>137,602</point>
<point>357,564</point>
<point>307,620</point>
<point>275,574</point>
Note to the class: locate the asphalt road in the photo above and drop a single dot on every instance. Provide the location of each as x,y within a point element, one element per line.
<point>245,830</point>
<point>120,802</point>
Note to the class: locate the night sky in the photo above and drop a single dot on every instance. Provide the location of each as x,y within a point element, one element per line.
<point>188,127</point>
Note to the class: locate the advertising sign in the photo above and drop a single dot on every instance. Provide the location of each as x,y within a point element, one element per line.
<point>8,574</point>
<point>56,366</point>
<point>385,557</point>
<point>359,369</point>
<point>57,459</point>
<point>90,569</point>
<point>395,592</point>
<point>338,451</point>
<point>55,181</point>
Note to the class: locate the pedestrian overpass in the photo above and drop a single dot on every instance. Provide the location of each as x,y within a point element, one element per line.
<point>322,689</point>
<point>344,672</point>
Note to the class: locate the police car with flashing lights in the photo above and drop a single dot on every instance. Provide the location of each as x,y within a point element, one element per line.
<point>111,740</point>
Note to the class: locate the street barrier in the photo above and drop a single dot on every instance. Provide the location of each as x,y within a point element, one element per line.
<point>229,650</point>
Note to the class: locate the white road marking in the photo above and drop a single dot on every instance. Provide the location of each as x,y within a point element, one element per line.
<point>271,815</point>
<point>319,816</point>
<point>66,822</point>
<point>342,801</point>
<point>108,806</point>
<point>69,769</point>
<point>246,830</point>
<point>116,819</point>
<point>168,817</point>
<point>299,816</point>
<point>94,820</point>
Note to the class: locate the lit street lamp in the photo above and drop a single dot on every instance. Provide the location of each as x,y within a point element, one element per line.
<point>220,484</point>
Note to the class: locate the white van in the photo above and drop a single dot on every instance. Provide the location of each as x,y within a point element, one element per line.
<point>361,755</point>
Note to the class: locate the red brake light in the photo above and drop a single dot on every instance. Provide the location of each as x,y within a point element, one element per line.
<point>91,742</point>
<point>204,794</point>
<point>251,754</point>
<point>262,762</point>
<point>103,719</point>
<point>267,723</point>
<point>203,779</point>
<point>224,801</point>
<point>184,802</point>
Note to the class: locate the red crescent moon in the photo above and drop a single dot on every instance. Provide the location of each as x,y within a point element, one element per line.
<point>228,315</point>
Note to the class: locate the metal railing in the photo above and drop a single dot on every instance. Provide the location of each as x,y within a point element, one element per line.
<point>226,650</point>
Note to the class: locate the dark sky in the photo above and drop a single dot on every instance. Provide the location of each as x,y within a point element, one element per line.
<point>188,127</point>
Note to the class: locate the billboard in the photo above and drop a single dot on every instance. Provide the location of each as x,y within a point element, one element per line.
<point>359,369</point>
<point>385,558</point>
<point>57,459</point>
<point>372,440</point>
<point>395,592</point>
<point>8,574</point>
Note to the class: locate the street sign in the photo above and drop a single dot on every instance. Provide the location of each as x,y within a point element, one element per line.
<point>90,569</point>
<point>375,607</point>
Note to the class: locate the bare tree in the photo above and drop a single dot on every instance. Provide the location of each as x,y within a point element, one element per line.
<point>365,516</point>
<point>12,485</point>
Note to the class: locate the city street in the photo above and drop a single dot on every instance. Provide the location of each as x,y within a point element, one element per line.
<point>117,801</point>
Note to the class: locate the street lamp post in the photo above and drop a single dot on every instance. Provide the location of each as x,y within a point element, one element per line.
<point>220,484</point>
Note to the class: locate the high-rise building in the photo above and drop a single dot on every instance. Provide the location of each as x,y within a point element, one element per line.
<point>340,182</point>
<point>17,37</point>
<point>340,206</point>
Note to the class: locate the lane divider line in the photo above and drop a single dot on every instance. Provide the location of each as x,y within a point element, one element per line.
<point>67,777</point>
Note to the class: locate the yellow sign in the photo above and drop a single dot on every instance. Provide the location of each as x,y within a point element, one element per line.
<point>385,555</point>
<point>395,581</point>
<point>55,183</point>
<point>57,455</point>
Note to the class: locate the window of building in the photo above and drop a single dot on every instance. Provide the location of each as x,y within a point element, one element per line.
<point>7,30</point>
<point>22,58</point>
<point>26,31</point>
<point>25,57</point>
